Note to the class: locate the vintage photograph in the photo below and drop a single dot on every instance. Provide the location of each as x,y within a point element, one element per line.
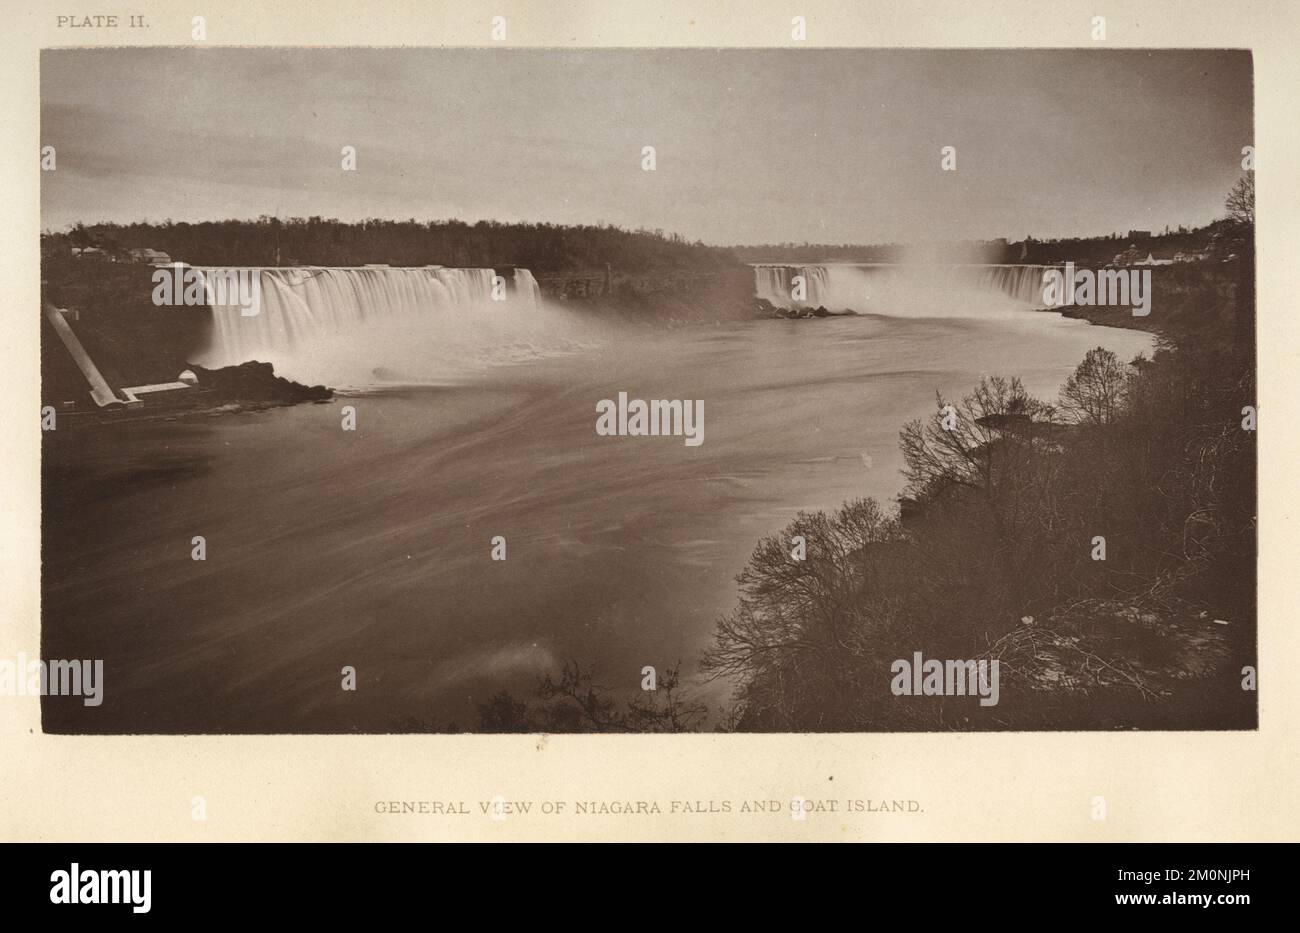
<point>504,390</point>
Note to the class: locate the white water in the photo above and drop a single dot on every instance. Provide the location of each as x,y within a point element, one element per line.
<point>361,327</point>
<point>353,327</point>
<point>905,290</point>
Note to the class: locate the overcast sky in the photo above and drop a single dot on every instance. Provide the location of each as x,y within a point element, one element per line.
<point>752,146</point>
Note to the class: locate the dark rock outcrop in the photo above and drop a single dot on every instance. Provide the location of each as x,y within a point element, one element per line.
<point>255,383</point>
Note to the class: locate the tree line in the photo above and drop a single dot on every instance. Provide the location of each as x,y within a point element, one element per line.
<point>270,241</point>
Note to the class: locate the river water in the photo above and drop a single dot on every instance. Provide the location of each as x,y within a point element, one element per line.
<point>372,548</point>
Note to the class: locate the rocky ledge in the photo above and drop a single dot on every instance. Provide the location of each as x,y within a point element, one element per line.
<point>765,309</point>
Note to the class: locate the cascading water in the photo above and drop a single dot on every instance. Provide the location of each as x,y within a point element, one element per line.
<point>527,286</point>
<point>355,326</point>
<point>904,290</point>
<point>1022,282</point>
<point>778,285</point>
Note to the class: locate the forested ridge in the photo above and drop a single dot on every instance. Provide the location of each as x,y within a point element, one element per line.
<point>271,241</point>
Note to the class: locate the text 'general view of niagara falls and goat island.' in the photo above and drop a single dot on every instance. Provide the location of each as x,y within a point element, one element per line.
<point>407,390</point>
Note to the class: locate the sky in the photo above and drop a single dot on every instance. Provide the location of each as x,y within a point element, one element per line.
<point>751,146</point>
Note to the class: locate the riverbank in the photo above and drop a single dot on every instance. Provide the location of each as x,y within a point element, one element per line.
<point>1190,302</point>
<point>1099,544</point>
<point>135,342</point>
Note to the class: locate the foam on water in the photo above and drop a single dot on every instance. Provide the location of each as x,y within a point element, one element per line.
<point>905,290</point>
<point>357,327</point>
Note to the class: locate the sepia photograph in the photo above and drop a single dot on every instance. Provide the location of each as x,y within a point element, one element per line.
<point>655,423</point>
<point>646,390</point>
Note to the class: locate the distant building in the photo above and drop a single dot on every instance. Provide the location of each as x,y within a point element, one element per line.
<point>155,256</point>
<point>1139,234</point>
<point>89,252</point>
<point>1129,257</point>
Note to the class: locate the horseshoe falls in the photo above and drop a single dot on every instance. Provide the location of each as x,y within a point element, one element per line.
<point>904,290</point>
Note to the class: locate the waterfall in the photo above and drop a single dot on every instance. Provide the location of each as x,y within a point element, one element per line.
<point>1022,282</point>
<point>527,286</point>
<point>778,283</point>
<point>353,325</point>
<point>915,290</point>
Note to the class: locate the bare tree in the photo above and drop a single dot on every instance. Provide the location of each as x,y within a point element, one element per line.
<point>576,703</point>
<point>972,442</point>
<point>1241,201</point>
<point>1095,391</point>
<point>797,639</point>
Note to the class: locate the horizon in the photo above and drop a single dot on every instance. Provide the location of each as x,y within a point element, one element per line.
<point>753,147</point>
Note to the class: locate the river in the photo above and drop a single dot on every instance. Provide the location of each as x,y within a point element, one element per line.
<point>372,548</point>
